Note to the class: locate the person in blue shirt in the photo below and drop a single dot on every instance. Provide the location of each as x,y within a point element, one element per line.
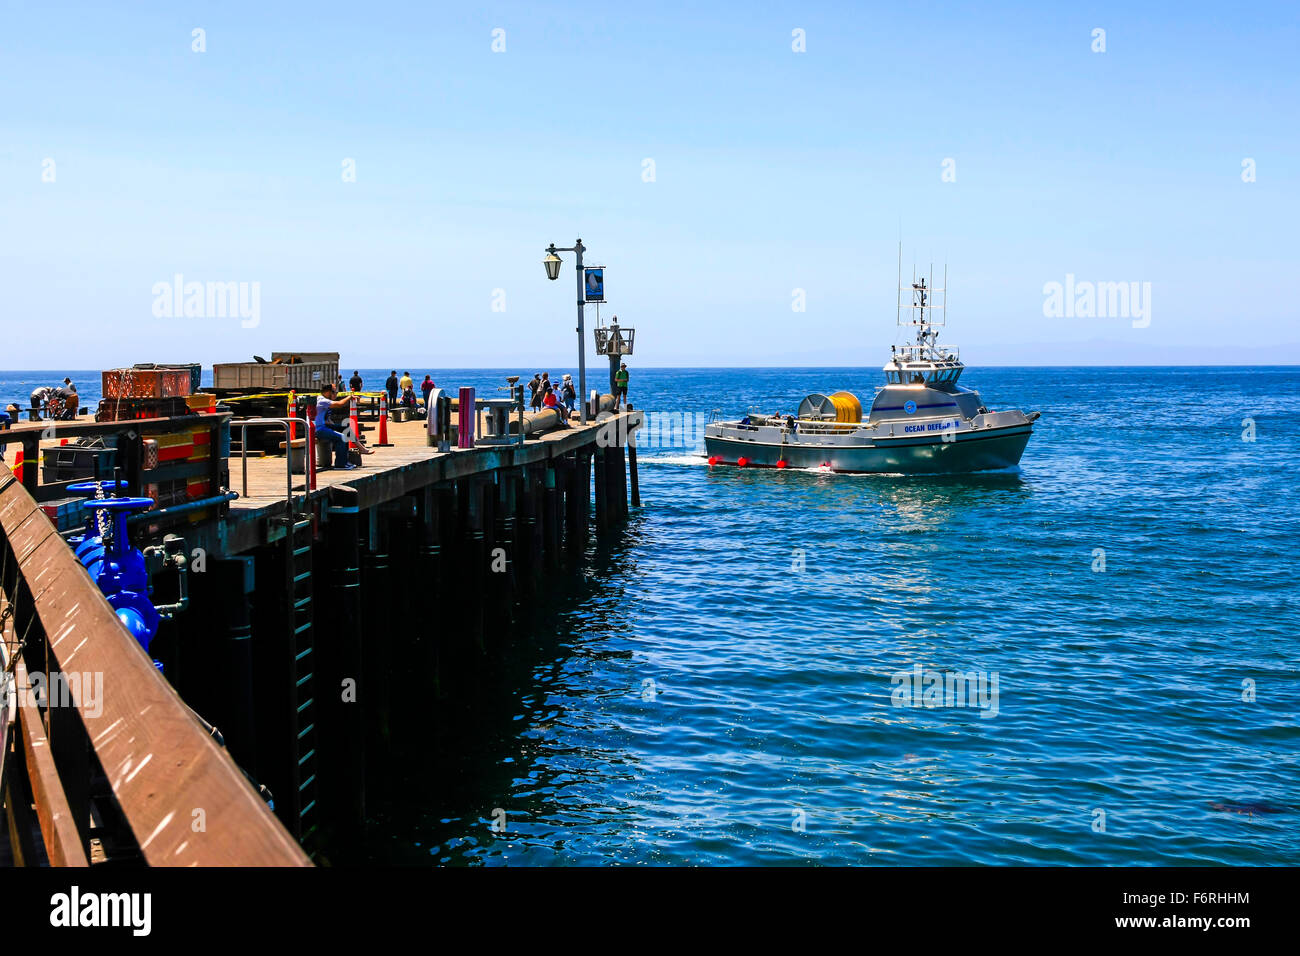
<point>325,428</point>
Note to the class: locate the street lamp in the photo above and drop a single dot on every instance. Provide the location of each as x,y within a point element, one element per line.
<point>552,264</point>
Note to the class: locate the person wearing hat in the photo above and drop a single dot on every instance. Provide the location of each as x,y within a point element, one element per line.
<point>620,385</point>
<point>69,400</point>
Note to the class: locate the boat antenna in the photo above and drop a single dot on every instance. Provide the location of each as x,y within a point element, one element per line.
<point>898,304</point>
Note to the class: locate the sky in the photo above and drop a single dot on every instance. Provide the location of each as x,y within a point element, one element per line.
<point>745,173</point>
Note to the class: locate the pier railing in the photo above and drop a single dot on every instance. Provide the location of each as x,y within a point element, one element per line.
<point>103,762</point>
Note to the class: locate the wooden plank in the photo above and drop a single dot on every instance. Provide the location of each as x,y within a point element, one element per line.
<point>58,828</point>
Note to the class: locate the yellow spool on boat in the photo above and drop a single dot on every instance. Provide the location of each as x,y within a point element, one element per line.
<point>847,407</point>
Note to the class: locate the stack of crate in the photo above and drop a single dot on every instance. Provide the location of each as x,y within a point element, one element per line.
<point>134,393</point>
<point>176,464</point>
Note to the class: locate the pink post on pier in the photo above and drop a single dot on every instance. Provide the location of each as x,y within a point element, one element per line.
<point>465,419</point>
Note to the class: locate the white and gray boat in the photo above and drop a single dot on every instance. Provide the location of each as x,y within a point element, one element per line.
<point>920,422</point>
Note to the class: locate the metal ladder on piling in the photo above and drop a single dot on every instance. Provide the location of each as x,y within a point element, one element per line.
<point>298,564</point>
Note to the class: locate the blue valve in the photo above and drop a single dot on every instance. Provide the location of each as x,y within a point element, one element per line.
<point>117,568</point>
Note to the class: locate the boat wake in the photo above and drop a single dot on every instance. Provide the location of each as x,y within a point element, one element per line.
<point>696,459</point>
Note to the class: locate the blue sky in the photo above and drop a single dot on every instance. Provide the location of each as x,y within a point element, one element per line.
<point>775,170</point>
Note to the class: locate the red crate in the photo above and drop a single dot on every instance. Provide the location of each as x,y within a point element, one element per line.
<point>146,383</point>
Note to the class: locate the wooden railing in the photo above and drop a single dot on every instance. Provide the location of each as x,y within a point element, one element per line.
<point>116,768</point>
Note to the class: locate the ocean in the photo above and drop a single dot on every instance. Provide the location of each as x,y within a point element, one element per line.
<point>1090,660</point>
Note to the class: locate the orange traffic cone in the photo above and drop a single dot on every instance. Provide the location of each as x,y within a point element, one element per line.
<point>383,422</point>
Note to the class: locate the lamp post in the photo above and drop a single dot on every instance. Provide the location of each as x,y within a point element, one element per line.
<point>552,264</point>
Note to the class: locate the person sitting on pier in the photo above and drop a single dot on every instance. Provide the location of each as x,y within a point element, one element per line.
<point>325,428</point>
<point>550,401</point>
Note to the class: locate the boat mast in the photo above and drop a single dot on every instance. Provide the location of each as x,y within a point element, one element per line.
<point>923,305</point>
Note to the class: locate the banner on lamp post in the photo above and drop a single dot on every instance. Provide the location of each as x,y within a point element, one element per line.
<point>593,284</point>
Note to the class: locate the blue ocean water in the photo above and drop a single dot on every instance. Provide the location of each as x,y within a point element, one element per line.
<point>699,699</point>
<point>721,686</point>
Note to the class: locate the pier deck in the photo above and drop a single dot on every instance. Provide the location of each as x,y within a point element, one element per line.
<point>389,473</point>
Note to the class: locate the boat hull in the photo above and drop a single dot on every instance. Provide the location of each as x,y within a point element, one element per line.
<point>981,451</point>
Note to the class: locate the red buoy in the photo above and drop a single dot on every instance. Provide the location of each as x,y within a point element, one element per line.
<point>713,459</point>
<point>781,463</point>
<point>742,462</point>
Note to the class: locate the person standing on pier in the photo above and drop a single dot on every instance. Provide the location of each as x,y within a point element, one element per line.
<point>391,387</point>
<point>535,392</point>
<point>620,386</point>
<point>355,381</point>
<point>325,428</point>
<point>567,394</point>
<point>40,398</point>
<point>426,387</point>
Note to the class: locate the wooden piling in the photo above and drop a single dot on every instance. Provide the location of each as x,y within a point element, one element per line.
<point>232,579</point>
<point>620,481</point>
<point>602,489</point>
<point>380,624</point>
<point>344,690</point>
<point>429,579</point>
<point>575,502</point>
<point>474,567</point>
<point>505,539</point>
<point>631,472</point>
<point>551,503</point>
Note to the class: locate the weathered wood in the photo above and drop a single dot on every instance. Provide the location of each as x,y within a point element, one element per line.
<point>63,841</point>
<point>632,475</point>
<point>602,489</point>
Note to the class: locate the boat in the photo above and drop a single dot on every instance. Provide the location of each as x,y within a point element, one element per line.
<point>921,421</point>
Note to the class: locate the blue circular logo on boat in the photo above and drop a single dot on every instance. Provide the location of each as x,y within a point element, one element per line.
<point>909,407</point>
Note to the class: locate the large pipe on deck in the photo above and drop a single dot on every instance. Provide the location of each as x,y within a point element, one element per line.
<point>549,418</point>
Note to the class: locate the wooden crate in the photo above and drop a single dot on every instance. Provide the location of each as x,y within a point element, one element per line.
<point>146,383</point>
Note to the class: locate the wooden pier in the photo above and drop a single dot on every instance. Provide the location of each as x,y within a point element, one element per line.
<point>312,617</point>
